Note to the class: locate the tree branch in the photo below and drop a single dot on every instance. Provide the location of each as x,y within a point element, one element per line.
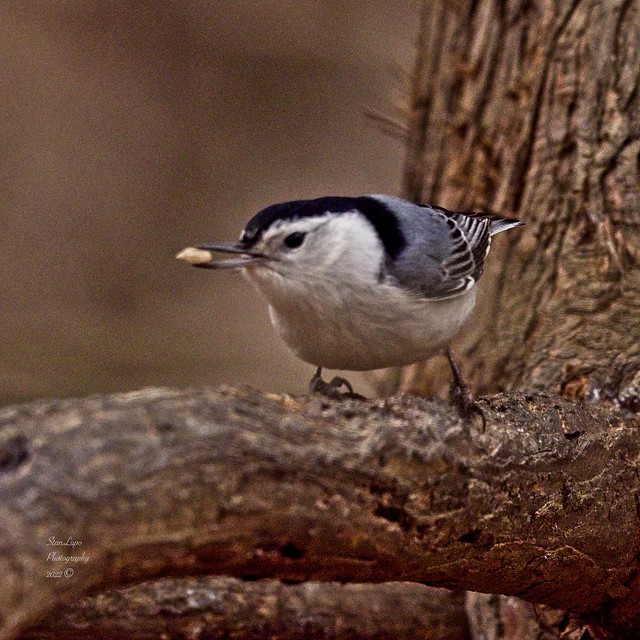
<point>167,483</point>
<point>228,608</point>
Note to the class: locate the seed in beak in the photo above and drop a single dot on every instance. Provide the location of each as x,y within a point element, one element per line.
<point>195,256</point>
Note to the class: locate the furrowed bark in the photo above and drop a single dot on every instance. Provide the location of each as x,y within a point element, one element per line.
<point>167,483</point>
<point>530,109</point>
<point>221,608</point>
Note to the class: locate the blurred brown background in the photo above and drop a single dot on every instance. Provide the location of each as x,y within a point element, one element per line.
<point>131,129</point>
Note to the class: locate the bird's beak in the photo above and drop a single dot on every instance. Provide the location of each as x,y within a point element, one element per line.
<point>203,256</point>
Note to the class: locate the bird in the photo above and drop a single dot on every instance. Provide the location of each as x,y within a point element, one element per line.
<point>363,282</point>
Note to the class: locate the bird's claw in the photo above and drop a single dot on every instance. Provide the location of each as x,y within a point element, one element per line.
<point>462,399</point>
<point>332,389</point>
<point>460,396</point>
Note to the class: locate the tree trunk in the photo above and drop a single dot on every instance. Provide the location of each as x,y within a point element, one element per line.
<point>530,108</point>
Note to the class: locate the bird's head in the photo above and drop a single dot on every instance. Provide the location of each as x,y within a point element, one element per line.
<point>286,246</point>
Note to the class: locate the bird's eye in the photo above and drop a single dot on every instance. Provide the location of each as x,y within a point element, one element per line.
<point>294,240</point>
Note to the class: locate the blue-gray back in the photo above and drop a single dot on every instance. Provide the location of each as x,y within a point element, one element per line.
<point>446,253</point>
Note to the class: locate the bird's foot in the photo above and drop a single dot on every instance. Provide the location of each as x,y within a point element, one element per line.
<point>332,389</point>
<point>460,396</point>
<point>462,399</point>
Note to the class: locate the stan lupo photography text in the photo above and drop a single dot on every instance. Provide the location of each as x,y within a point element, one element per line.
<point>66,552</point>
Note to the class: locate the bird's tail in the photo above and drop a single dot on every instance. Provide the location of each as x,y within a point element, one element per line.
<point>498,225</point>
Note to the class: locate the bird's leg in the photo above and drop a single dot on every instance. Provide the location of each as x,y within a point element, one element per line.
<point>331,389</point>
<point>460,395</point>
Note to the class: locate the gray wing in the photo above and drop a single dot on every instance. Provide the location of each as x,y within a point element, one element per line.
<point>446,253</point>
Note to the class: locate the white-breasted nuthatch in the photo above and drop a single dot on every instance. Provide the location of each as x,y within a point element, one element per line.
<point>363,283</point>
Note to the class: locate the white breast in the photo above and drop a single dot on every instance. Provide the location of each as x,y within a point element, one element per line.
<point>369,329</point>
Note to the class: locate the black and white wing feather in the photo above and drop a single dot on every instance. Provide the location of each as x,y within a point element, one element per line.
<point>447,251</point>
<point>463,263</point>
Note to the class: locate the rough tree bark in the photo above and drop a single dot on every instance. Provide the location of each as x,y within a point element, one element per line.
<point>222,608</point>
<point>544,505</point>
<point>532,109</point>
<point>528,108</point>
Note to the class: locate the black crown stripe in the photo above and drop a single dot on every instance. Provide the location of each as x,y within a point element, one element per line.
<point>376,212</point>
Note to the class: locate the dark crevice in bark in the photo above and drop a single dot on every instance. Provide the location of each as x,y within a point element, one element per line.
<point>520,178</point>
